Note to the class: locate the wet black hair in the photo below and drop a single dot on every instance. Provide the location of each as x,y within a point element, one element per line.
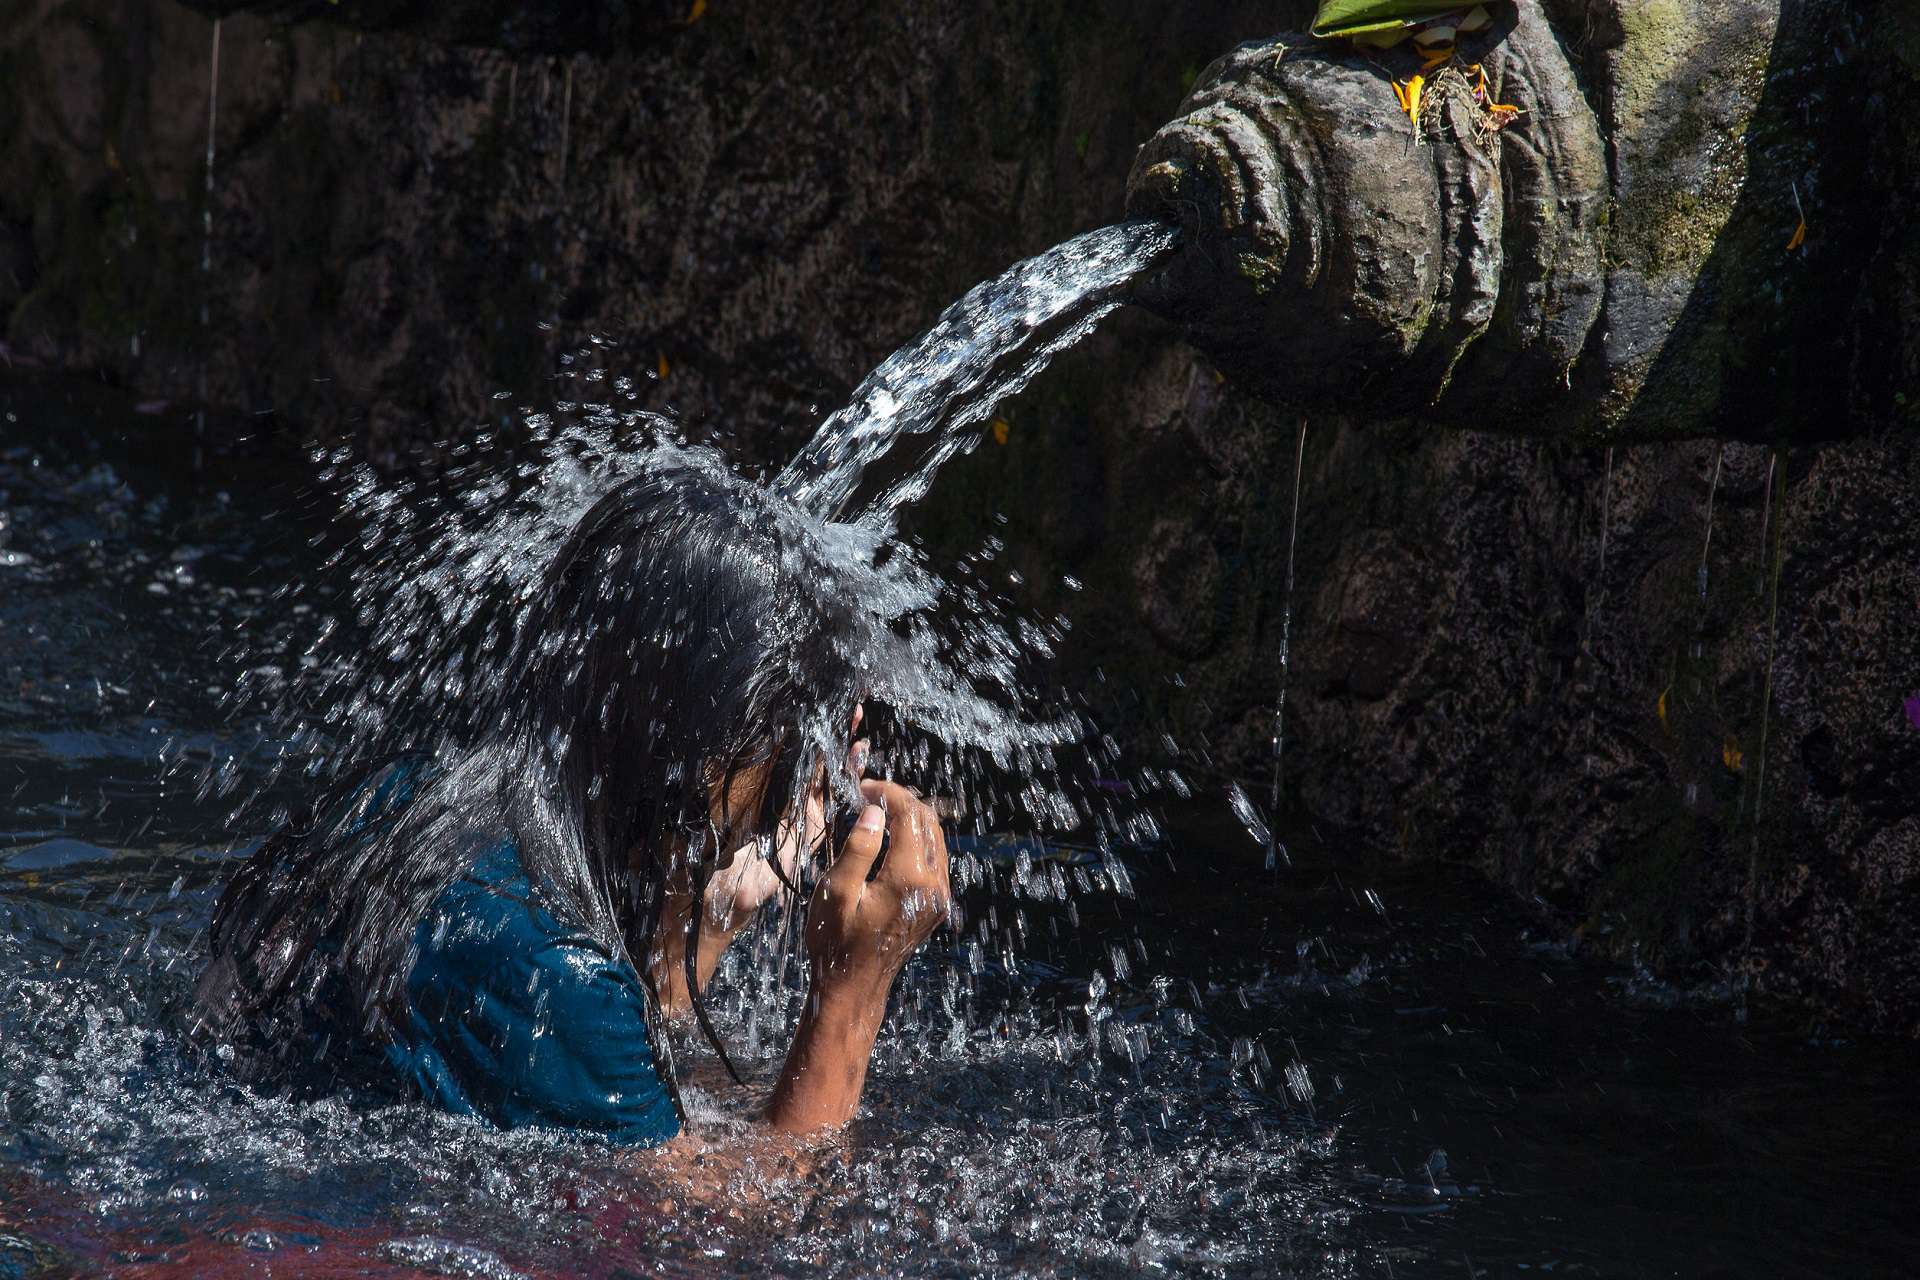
<point>671,651</point>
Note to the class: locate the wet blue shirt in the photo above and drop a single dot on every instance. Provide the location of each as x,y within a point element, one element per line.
<point>517,1017</point>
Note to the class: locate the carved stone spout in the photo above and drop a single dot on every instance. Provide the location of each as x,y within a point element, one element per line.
<point>1550,269</point>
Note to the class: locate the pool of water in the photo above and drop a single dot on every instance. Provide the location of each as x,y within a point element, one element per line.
<point>1340,1068</point>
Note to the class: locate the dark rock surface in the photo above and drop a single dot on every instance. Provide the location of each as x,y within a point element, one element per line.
<point>1501,650</point>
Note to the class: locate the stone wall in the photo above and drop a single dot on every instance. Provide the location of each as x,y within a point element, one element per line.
<point>1502,652</point>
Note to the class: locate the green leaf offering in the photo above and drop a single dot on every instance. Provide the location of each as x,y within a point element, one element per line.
<point>1359,17</point>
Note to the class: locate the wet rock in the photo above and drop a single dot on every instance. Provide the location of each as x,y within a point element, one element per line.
<point>1178,578</point>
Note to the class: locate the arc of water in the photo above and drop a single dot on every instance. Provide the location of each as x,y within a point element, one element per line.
<point>983,348</point>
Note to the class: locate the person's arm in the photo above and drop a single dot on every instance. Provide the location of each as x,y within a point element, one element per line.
<point>860,932</point>
<point>735,893</point>
<point>718,927</point>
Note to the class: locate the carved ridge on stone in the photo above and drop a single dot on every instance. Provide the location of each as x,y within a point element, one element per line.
<point>1447,269</point>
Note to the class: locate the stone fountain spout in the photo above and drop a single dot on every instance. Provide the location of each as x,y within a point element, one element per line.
<point>1514,269</point>
<point>1339,250</point>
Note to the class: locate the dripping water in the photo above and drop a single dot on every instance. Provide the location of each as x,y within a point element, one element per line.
<point>1275,850</point>
<point>1706,541</point>
<point>1774,553</point>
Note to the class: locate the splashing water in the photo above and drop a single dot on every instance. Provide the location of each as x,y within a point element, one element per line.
<point>1249,815</point>
<point>433,586</point>
<point>984,348</point>
<point>445,582</point>
<point>440,579</point>
<point>438,595</point>
<point>1075,1113</point>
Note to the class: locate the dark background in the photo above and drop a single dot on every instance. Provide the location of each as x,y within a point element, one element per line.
<point>412,207</point>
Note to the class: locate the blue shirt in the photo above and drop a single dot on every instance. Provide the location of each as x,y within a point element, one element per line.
<point>515,1016</point>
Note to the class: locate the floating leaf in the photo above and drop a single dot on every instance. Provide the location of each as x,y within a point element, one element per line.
<point>1731,755</point>
<point>1660,709</point>
<point>697,12</point>
<point>1000,429</point>
<point>1799,236</point>
<point>663,367</point>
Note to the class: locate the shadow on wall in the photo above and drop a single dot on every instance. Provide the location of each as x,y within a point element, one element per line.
<point>1761,223</point>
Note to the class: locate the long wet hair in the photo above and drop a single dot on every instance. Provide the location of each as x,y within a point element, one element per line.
<point>672,650</point>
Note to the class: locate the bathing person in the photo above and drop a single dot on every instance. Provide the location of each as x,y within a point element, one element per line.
<point>500,927</point>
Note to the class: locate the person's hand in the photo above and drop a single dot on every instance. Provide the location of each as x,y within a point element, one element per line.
<point>745,881</point>
<point>737,888</point>
<point>872,910</point>
<point>868,914</point>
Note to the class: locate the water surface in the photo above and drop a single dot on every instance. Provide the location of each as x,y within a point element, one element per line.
<point>1338,1068</point>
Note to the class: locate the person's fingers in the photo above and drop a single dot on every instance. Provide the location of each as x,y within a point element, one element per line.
<point>890,796</point>
<point>862,845</point>
<point>937,861</point>
<point>916,849</point>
